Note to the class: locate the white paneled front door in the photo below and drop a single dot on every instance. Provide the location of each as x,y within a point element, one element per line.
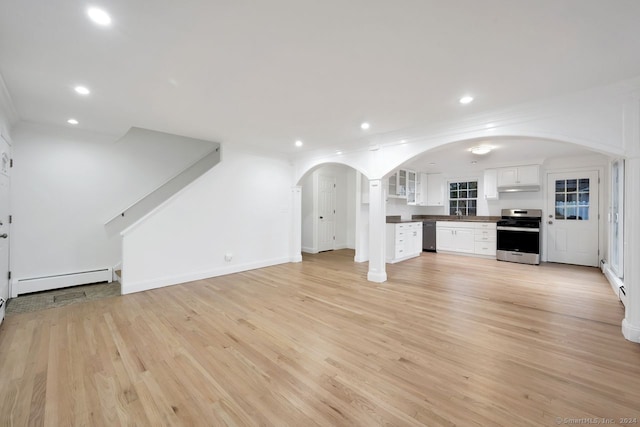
<point>326,212</point>
<point>5,158</point>
<point>572,218</point>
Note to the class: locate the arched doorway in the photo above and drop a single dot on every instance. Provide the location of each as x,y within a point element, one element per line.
<point>334,210</point>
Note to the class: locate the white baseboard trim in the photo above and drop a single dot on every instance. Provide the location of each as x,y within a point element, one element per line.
<point>160,282</point>
<point>377,277</point>
<point>360,259</point>
<point>615,282</point>
<point>296,258</point>
<point>37,284</point>
<point>630,332</point>
<point>309,250</point>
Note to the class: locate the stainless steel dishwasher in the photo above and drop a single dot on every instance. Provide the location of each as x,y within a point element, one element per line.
<point>429,235</point>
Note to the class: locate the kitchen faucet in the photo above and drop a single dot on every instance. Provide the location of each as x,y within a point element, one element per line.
<point>459,213</point>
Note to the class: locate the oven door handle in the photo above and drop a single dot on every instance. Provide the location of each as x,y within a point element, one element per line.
<point>528,230</point>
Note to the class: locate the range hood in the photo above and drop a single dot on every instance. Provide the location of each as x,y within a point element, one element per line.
<point>518,188</point>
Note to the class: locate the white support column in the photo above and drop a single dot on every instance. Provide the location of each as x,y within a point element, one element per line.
<point>377,220</point>
<point>296,232</point>
<point>631,322</point>
<point>362,222</point>
<point>358,211</point>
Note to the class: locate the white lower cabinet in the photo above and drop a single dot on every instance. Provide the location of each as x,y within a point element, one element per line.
<point>454,236</point>
<point>478,238</point>
<point>485,239</point>
<point>404,241</point>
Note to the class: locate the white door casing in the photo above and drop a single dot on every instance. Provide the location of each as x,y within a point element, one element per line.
<point>326,198</point>
<point>572,221</point>
<point>5,180</point>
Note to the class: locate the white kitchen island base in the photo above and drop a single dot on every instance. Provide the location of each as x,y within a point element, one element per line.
<point>404,241</point>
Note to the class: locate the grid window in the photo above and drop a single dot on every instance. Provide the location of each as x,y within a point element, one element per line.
<point>572,199</point>
<point>463,198</point>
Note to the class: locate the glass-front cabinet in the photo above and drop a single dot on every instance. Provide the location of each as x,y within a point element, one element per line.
<point>411,187</point>
<point>402,184</point>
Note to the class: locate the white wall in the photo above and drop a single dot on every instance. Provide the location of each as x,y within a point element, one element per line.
<point>8,114</point>
<point>345,206</point>
<point>241,207</point>
<point>351,208</point>
<point>67,183</point>
<point>308,215</point>
<point>399,207</point>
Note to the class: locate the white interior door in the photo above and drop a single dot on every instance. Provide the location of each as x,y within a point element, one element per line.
<point>5,156</point>
<point>572,220</point>
<point>326,212</point>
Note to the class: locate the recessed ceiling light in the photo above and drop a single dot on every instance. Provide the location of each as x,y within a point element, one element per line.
<point>99,16</point>
<point>72,121</point>
<point>365,126</point>
<point>338,152</point>
<point>466,99</point>
<point>481,149</point>
<point>82,90</point>
<point>403,141</point>
<point>489,125</point>
<point>298,143</point>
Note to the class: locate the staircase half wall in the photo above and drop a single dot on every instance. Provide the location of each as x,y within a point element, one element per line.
<point>136,211</point>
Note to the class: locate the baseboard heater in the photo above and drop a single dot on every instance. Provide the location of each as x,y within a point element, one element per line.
<point>37,284</point>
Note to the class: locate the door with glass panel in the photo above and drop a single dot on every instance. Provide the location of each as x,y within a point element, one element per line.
<point>572,218</point>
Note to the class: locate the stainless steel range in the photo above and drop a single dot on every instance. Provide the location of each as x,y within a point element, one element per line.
<point>519,236</point>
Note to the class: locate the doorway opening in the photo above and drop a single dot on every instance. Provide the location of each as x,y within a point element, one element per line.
<point>329,208</point>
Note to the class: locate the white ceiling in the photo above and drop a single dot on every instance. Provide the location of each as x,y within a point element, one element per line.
<point>265,73</point>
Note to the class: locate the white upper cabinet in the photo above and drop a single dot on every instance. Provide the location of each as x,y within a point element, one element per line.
<point>403,185</point>
<point>519,178</point>
<point>529,175</point>
<point>435,190</point>
<point>398,184</point>
<point>430,189</point>
<point>491,184</point>
<point>411,187</point>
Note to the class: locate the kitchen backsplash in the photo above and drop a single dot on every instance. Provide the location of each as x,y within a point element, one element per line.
<point>399,207</point>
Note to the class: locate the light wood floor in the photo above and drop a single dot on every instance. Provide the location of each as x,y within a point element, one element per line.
<point>448,340</point>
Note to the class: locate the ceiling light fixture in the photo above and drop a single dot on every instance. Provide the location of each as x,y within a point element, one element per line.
<point>99,16</point>
<point>365,126</point>
<point>82,90</point>
<point>72,121</point>
<point>466,99</point>
<point>298,143</point>
<point>481,149</point>
<point>338,152</point>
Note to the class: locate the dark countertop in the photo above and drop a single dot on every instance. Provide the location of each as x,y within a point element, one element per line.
<point>455,218</point>
<point>396,219</point>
